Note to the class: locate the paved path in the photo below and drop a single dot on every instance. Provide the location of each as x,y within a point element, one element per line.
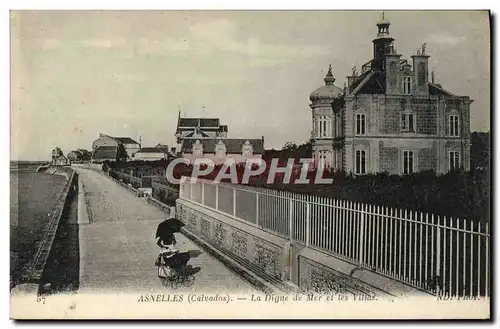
<point>118,249</point>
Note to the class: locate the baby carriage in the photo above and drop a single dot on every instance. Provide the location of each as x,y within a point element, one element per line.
<point>173,269</point>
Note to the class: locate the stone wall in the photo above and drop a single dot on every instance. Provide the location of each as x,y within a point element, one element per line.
<point>259,251</point>
<point>325,274</point>
<point>281,263</point>
<point>427,159</point>
<point>389,160</point>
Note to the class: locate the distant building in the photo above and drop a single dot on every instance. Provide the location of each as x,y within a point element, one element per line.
<point>218,149</point>
<point>86,154</point>
<point>61,161</point>
<point>390,118</point>
<point>79,156</point>
<point>162,146</point>
<point>151,154</point>
<point>198,128</point>
<point>108,153</point>
<point>207,138</point>
<point>56,152</point>
<point>130,145</point>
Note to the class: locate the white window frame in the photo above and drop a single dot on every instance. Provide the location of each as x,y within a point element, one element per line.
<point>197,149</point>
<point>324,159</point>
<point>405,123</point>
<point>358,167</point>
<point>455,155</point>
<point>323,124</point>
<point>413,161</point>
<point>360,124</point>
<point>247,150</point>
<point>221,153</point>
<point>321,159</point>
<point>198,152</point>
<point>452,119</point>
<point>406,85</point>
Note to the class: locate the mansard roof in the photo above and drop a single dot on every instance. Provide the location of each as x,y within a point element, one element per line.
<point>436,89</point>
<point>198,122</point>
<point>125,140</point>
<point>370,82</point>
<point>152,150</point>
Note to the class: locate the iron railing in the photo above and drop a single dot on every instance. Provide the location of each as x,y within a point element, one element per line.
<point>442,255</point>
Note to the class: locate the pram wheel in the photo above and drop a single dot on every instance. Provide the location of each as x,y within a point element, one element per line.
<point>188,281</point>
<point>176,283</point>
<point>165,282</point>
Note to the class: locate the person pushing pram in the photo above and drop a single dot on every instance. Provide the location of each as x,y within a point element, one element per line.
<point>172,264</point>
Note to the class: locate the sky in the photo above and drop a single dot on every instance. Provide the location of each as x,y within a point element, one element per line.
<point>75,74</point>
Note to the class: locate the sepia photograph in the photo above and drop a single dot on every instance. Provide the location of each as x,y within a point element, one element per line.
<point>250,164</point>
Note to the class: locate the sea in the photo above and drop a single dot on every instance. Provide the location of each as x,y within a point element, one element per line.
<point>32,199</point>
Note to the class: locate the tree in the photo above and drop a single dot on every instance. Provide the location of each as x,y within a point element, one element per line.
<point>289,146</point>
<point>122,152</point>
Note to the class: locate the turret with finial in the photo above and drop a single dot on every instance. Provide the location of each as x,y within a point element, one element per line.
<point>329,79</point>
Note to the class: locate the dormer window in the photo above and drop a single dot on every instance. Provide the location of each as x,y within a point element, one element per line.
<point>220,150</point>
<point>247,150</point>
<point>197,149</point>
<point>406,85</point>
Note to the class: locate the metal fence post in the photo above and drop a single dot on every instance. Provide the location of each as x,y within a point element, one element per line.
<point>257,209</point>
<point>191,190</point>
<point>234,202</point>
<point>216,196</point>
<point>290,227</point>
<point>181,190</point>
<point>438,256</point>
<point>202,193</point>
<point>308,224</point>
<point>361,209</point>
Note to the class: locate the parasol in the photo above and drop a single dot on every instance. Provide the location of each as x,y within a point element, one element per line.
<point>168,226</point>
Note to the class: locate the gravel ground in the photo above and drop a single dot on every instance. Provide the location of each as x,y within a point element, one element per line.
<point>118,249</point>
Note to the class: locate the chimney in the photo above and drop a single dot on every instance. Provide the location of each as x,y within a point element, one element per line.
<point>392,73</point>
<point>421,72</point>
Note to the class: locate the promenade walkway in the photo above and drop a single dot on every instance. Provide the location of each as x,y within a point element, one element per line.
<point>118,248</point>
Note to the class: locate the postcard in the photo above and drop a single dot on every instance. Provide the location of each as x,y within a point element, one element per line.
<point>325,164</point>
